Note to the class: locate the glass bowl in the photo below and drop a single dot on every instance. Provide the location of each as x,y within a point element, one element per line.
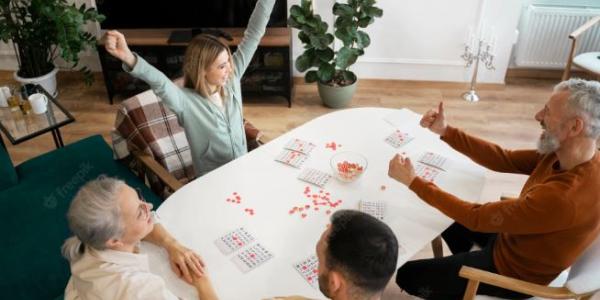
<point>348,166</point>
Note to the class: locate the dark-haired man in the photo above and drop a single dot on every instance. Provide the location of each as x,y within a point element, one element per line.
<point>357,257</point>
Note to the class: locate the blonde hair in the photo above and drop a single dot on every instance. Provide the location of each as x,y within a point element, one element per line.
<point>200,54</point>
<point>94,217</point>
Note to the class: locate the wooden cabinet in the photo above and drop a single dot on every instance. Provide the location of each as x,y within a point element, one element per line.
<point>269,73</point>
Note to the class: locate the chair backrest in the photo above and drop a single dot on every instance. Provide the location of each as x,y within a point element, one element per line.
<point>145,124</point>
<point>584,276</point>
<point>7,169</point>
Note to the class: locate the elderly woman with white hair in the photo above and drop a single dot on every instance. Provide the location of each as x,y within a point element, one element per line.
<point>109,219</point>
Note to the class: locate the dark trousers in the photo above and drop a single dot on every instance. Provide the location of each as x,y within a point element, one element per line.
<point>438,278</point>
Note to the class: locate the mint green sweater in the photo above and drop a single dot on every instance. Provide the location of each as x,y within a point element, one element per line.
<point>215,137</point>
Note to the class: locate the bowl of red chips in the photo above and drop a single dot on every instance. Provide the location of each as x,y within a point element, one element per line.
<point>348,166</point>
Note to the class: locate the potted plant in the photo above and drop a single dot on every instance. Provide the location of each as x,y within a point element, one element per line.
<point>43,30</point>
<point>329,68</point>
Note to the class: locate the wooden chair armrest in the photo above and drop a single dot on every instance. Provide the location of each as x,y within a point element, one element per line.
<point>573,36</point>
<point>167,178</point>
<point>516,284</point>
<point>508,197</point>
<point>437,247</point>
<point>263,139</point>
<point>584,27</point>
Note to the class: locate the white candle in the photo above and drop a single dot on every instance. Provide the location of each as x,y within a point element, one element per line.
<point>492,33</point>
<point>469,37</point>
<point>484,32</point>
<point>312,5</point>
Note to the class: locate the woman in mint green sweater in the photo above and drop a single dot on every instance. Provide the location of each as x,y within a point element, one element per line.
<point>209,106</point>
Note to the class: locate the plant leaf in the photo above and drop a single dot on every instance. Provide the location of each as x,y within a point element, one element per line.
<point>325,73</point>
<point>303,37</point>
<point>340,9</point>
<point>345,58</point>
<point>343,35</point>
<point>325,55</point>
<point>362,40</point>
<point>296,11</point>
<point>303,62</point>
<point>311,76</point>
<point>366,21</point>
<point>348,76</point>
<point>374,12</point>
<point>293,23</point>
<point>320,41</point>
<point>305,4</point>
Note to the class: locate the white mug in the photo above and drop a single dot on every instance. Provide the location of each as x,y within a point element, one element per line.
<point>4,95</point>
<point>39,103</point>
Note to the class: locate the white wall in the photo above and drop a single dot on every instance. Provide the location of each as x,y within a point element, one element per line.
<point>414,40</point>
<point>423,40</point>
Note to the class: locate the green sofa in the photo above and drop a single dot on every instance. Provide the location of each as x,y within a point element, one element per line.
<point>34,198</point>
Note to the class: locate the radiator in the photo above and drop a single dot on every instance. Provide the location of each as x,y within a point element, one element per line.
<point>544,36</point>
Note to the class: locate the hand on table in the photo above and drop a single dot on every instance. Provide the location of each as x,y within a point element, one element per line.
<point>435,120</point>
<point>185,262</point>
<point>204,287</point>
<point>401,169</point>
<point>116,45</point>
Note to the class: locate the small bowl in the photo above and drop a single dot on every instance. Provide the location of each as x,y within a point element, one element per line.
<point>348,166</point>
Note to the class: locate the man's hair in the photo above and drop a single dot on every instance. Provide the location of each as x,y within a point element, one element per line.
<point>363,248</point>
<point>584,100</point>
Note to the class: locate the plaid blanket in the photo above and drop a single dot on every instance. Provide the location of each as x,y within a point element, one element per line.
<point>145,124</point>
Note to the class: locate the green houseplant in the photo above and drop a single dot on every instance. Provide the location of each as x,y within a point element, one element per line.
<point>329,68</point>
<point>43,30</point>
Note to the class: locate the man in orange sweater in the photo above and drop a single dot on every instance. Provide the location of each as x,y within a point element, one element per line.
<point>535,236</point>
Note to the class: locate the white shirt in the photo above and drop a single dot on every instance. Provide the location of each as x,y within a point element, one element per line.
<point>217,100</point>
<point>111,274</point>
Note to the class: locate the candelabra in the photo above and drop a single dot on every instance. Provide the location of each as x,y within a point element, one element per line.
<point>483,53</point>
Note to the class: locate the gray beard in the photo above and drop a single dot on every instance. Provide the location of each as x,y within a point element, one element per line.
<point>547,143</point>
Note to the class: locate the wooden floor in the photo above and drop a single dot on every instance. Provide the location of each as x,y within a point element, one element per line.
<point>504,115</point>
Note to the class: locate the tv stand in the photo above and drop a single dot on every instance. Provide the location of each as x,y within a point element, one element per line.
<point>185,36</point>
<point>269,73</point>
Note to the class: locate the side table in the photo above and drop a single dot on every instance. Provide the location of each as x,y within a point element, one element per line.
<point>18,127</point>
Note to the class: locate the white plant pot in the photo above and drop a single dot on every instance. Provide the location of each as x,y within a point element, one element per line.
<point>48,81</point>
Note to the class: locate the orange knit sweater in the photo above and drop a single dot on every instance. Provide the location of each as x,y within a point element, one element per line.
<point>543,232</point>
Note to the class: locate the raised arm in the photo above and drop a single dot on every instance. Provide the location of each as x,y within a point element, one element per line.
<point>482,152</point>
<point>544,208</point>
<point>252,36</point>
<point>116,45</point>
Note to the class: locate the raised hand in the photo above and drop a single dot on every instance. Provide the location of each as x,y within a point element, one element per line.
<point>401,169</point>
<point>116,45</point>
<point>435,120</point>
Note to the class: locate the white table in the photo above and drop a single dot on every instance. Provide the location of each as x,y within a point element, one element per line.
<point>198,214</point>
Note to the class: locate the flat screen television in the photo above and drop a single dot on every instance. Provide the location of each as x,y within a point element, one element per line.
<point>137,14</point>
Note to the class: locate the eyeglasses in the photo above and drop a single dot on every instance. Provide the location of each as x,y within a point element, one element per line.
<point>145,208</point>
<point>140,195</point>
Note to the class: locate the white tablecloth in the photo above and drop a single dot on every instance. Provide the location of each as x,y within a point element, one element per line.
<point>198,213</point>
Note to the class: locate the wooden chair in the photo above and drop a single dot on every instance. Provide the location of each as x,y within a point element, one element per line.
<point>148,136</point>
<point>582,282</point>
<point>589,61</point>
